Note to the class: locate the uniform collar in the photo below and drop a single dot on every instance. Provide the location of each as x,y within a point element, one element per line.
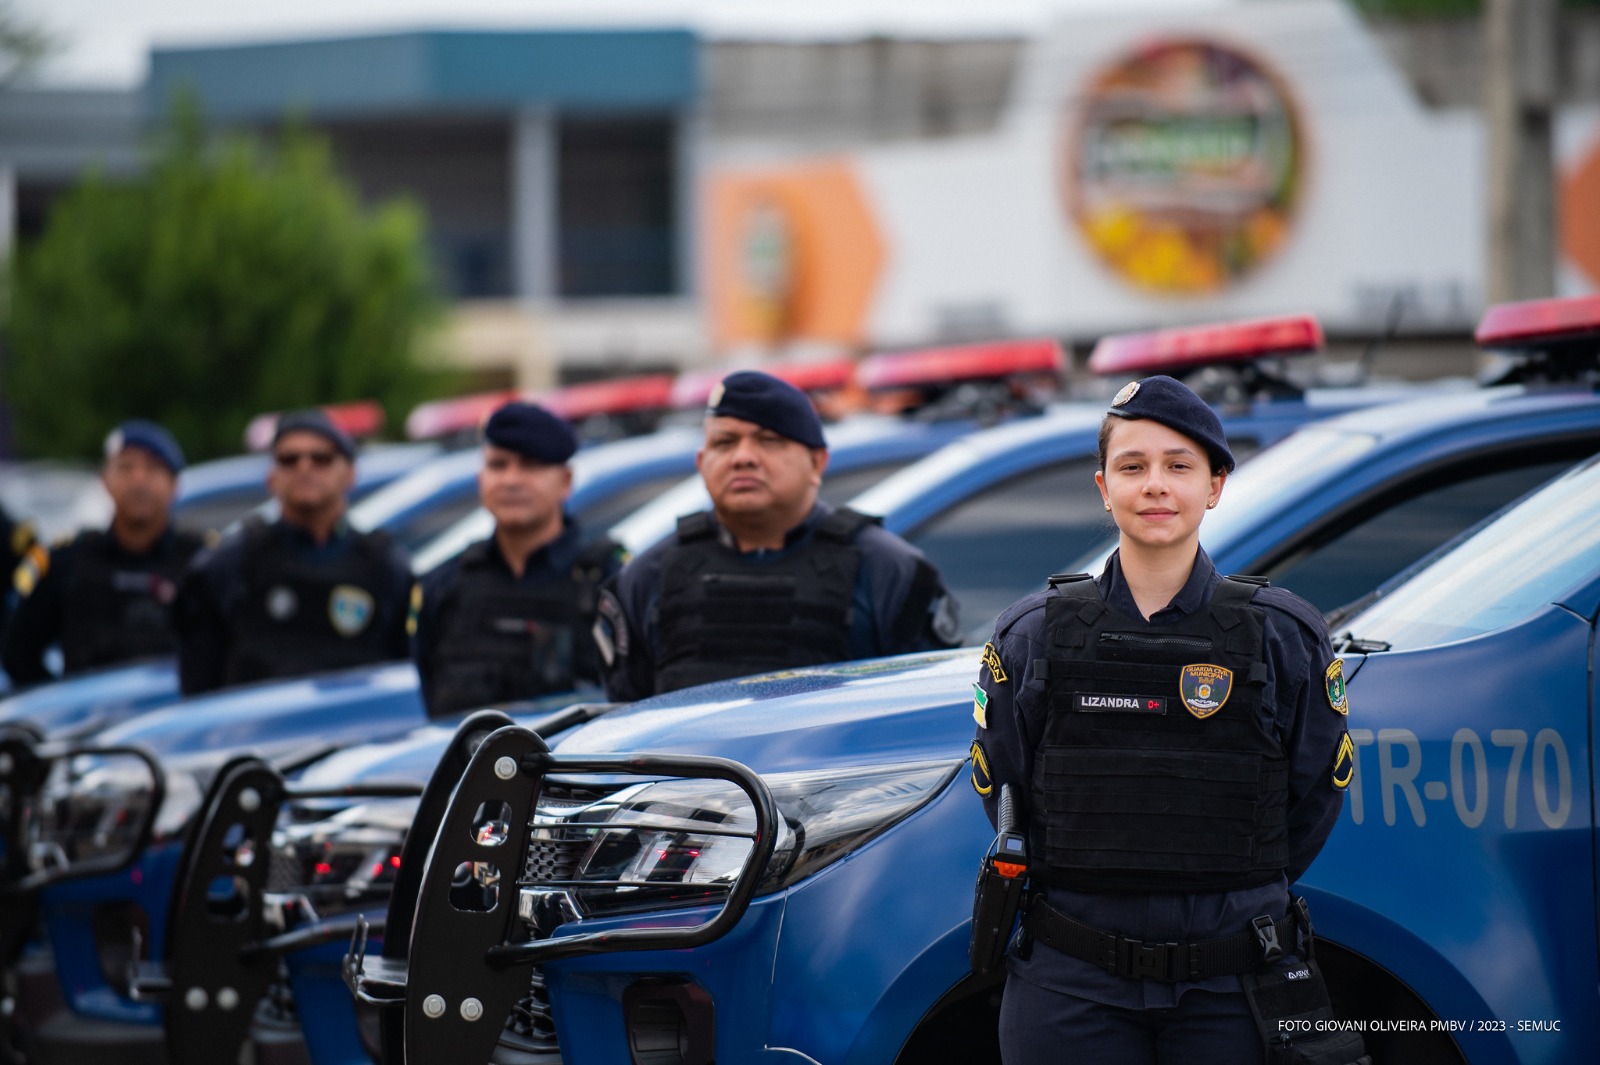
<point>558,553</point>
<point>160,546</point>
<point>299,534</point>
<point>1191,598</point>
<point>797,535</point>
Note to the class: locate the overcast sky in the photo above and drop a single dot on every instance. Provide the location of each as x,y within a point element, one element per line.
<point>105,42</point>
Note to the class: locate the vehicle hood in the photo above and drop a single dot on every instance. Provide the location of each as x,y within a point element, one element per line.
<point>326,709</point>
<point>908,708</point>
<point>89,702</point>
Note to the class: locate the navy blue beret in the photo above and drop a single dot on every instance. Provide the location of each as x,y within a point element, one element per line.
<point>315,421</point>
<point>149,436</point>
<point>531,431</point>
<point>770,403</point>
<point>1171,402</point>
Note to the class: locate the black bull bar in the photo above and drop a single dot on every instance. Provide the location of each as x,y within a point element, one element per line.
<point>442,992</point>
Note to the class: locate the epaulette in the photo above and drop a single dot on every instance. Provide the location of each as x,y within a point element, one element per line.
<point>1018,610</point>
<point>1286,601</point>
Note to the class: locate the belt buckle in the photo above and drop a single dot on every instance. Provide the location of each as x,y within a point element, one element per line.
<point>1138,960</point>
<point>1266,930</point>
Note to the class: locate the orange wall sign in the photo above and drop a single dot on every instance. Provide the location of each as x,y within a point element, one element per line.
<point>1183,165</point>
<point>792,254</point>
<point>1580,214</point>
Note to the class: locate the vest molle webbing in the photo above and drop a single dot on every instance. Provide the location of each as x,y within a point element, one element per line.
<point>724,615</point>
<point>1156,772</point>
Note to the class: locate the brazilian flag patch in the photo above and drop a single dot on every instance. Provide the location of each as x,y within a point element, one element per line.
<point>1338,698</point>
<point>981,781</point>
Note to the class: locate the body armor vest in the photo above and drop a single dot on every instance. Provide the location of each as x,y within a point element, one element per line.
<point>1156,772</point>
<point>298,616</point>
<point>502,640</point>
<point>722,616</point>
<point>115,608</point>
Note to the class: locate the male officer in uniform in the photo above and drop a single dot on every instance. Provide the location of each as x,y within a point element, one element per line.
<point>1175,743</point>
<point>304,593</point>
<point>512,617</point>
<point>106,596</point>
<point>770,578</point>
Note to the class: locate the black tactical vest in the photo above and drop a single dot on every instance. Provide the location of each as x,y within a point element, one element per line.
<point>502,640</point>
<point>722,616</point>
<point>1155,772</point>
<point>115,608</point>
<point>296,616</point>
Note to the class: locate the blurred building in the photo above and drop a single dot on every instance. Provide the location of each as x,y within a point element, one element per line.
<point>624,200</point>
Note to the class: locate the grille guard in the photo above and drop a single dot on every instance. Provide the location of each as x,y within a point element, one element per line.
<point>218,967</point>
<point>25,763</point>
<point>469,964</point>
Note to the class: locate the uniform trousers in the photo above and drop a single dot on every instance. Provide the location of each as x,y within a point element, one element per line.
<point>1039,1026</point>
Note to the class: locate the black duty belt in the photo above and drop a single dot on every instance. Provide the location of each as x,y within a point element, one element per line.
<point>1247,952</point>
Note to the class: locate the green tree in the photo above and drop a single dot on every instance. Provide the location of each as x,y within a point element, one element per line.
<point>230,278</point>
<point>23,45</point>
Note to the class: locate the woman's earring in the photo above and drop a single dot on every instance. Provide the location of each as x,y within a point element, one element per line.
<point>1211,505</point>
<point>1108,506</point>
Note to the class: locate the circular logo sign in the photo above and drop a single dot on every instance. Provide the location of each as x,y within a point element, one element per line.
<point>1183,166</point>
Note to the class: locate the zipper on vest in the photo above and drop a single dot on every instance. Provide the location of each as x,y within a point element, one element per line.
<point>1139,639</point>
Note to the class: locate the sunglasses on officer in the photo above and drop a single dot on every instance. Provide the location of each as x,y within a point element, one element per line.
<point>288,460</point>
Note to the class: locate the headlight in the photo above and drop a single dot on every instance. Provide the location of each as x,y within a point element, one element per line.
<point>682,842</point>
<point>344,861</point>
<point>90,808</point>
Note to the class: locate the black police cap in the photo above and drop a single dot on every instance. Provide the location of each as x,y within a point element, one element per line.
<point>1171,402</point>
<point>769,402</point>
<point>318,422</point>
<point>531,431</point>
<point>150,437</point>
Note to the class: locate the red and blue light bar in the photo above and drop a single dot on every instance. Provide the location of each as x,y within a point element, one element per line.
<point>358,419</point>
<point>1168,350</point>
<point>693,387</point>
<point>962,362</point>
<point>446,417</point>
<point>1538,323</point>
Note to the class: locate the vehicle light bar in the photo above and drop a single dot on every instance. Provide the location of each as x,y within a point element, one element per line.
<point>1535,323</point>
<point>1166,350</point>
<point>445,417</point>
<point>359,418</point>
<point>622,395</point>
<point>965,362</point>
<point>693,387</point>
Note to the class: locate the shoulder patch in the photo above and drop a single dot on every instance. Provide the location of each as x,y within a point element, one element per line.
<point>991,659</point>
<point>982,783</point>
<point>1344,762</point>
<point>22,538</point>
<point>415,609</point>
<point>35,564</point>
<point>1333,679</point>
<point>610,628</point>
<point>980,706</point>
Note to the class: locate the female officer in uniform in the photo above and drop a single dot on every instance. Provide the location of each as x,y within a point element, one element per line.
<point>1175,742</point>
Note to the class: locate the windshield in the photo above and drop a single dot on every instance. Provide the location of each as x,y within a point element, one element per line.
<point>1529,556</point>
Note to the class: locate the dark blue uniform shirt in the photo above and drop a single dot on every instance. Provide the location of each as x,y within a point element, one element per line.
<point>36,622</point>
<point>554,561</point>
<point>1298,712</point>
<point>885,579</point>
<point>213,591</point>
